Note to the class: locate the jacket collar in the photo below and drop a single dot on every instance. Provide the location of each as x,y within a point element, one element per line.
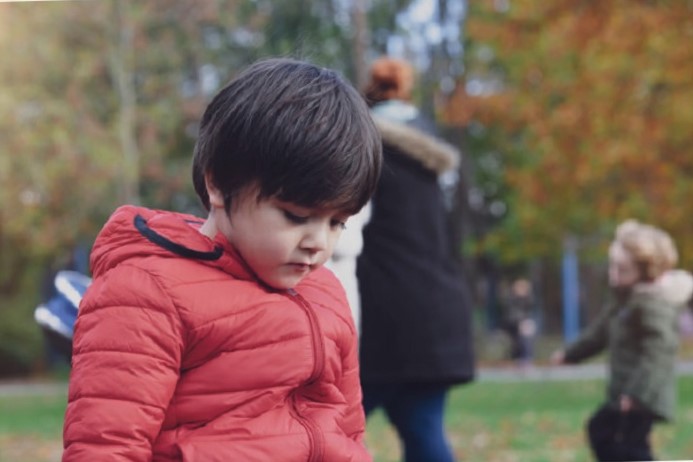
<point>675,286</point>
<point>133,232</point>
<point>394,119</point>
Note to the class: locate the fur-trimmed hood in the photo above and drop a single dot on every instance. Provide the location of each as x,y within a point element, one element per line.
<point>676,286</point>
<point>434,154</point>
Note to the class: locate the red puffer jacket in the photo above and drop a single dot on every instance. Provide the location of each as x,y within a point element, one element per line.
<point>180,354</point>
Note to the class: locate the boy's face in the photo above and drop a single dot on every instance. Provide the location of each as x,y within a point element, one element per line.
<point>280,241</point>
<point>623,272</point>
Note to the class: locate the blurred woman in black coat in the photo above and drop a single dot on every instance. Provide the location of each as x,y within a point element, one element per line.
<point>416,325</point>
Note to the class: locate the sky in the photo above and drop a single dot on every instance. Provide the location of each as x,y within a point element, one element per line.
<point>423,29</point>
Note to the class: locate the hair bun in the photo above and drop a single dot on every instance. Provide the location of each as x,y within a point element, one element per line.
<point>390,79</point>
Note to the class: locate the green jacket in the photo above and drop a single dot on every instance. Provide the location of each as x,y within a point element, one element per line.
<point>641,335</point>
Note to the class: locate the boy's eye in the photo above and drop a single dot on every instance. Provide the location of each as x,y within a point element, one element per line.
<point>293,218</point>
<point>338,224</point>
<point>303,219</point>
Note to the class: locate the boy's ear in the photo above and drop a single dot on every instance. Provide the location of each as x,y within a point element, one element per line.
<point>216,198</point>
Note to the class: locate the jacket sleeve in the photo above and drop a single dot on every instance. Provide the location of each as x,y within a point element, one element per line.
<point>592,341</point>
<point>126,355</point>
<point>657,346</point>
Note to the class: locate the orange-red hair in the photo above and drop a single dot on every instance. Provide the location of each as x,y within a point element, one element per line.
<point>389,79</point>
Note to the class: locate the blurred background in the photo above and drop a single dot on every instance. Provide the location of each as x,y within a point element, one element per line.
<point>572,116</point>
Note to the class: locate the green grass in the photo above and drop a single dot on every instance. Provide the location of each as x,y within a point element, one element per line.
<point>31,428</point>
<point>532,422</point>
<point>489,422</point>
<point>41,416</point>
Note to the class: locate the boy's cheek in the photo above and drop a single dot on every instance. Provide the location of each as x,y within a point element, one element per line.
<point>327,256</point>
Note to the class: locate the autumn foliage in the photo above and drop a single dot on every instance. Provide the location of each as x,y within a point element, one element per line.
<point>595,111</point>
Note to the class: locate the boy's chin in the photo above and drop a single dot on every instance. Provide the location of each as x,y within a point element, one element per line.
<point>288,277</point>
<point>285,283</point>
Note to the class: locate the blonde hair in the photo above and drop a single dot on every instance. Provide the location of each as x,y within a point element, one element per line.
<point>651,248</point>
<point>390,78</point>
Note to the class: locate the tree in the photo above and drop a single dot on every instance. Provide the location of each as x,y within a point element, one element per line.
<point>100,104</point>
<point>99,101</point>
<point>586,101</point>
<point>97,109</point>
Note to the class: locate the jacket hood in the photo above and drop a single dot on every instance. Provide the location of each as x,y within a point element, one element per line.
<point>434,154</point>
<point>136,232</point>
<point>676,286</point>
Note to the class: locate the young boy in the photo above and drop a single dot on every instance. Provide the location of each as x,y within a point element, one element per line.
<point>225,340</point>
<point>640,331</point>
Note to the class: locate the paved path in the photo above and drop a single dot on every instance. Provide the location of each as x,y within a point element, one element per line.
<point>485,374</point>
<point>31,388</point>
<point>544,373</point>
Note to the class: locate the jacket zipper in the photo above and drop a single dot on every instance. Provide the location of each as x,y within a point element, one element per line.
<point>314,434</point>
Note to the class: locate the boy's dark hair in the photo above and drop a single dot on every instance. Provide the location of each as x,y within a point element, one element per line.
<point>299,132</point>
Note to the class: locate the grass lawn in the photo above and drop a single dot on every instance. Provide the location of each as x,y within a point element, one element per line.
<point>487,422</point>
<point>532,422</point>
<point>31,428</point>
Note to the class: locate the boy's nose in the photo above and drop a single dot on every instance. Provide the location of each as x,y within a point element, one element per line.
<point>316,238</point>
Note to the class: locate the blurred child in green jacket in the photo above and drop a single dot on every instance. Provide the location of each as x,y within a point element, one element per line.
<point>639,329</point>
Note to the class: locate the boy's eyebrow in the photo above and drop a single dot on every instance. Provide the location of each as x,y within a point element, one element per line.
<point>317,210</point>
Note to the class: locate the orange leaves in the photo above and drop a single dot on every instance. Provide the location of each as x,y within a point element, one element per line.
<point>597,100</point>
<point>464,108</point>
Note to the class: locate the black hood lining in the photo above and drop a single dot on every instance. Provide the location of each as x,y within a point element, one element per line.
<point>161,241</point>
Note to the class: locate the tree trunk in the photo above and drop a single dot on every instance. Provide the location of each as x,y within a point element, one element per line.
<point>360,39</point>
<point>121,64</point>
